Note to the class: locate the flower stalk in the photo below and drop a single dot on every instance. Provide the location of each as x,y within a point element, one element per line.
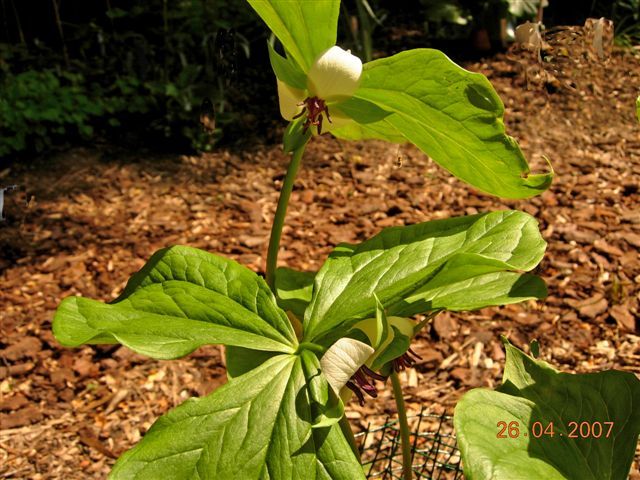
<point>405,440</point>
<point>281,212</point>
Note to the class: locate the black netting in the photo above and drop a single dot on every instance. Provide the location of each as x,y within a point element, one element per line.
<point>435,455</point>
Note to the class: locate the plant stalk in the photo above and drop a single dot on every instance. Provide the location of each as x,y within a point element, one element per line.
<point>281,212</point>
<point>405,440</point>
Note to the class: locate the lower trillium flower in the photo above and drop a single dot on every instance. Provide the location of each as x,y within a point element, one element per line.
<point>342,364</point>
<point>349,364</point>
<point>333,78</point>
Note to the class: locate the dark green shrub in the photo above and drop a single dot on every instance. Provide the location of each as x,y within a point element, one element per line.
<point>36,108</point>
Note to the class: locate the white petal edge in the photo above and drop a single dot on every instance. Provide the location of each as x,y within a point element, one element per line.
<point>342,360</point>
<point>289,98</point>
<point>335,75</point>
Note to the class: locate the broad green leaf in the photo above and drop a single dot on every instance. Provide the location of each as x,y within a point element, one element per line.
<point>257,426</point>
<point>293,292</point>
<point>287,70</point>
<point>534,392</point>
<point>294,289</point>
<point>370,122</point>
<point>169,334</point>
<point>181,299</point>
<point>378,130</point>
<point>306,28</point>
<point>446,291</point>
<point>398,262</point>
<point>452,115</point>
<point>241,360</point>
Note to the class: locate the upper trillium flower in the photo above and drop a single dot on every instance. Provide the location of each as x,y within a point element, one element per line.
<point>333,78</point>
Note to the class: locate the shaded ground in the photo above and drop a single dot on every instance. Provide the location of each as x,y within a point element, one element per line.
<point>95,218</point>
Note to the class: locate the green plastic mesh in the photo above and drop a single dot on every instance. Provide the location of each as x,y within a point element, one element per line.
<point>435,455</point>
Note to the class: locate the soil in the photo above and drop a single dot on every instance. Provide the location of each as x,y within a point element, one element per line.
<point>81,223</point>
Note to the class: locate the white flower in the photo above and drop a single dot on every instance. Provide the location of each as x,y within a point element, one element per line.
<point>342,361</point>
<point>333,78</point>
<point>346,363</point>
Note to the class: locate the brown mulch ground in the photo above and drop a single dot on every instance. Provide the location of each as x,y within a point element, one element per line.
<point>93,219</point>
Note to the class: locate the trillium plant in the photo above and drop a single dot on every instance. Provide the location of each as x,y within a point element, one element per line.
<point>301,345</point>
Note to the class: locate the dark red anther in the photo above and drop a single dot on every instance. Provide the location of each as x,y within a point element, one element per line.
<point>406,360</point>
<point>314,107</point>
<point>360,383</point>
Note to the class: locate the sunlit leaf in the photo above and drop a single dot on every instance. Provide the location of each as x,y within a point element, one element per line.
<point>424,264</point>
<point>538,405</point>
<point>451,114</point>
<point>305,28</point>
<point>181,299</point>
<point>256,426</point>
<point>294,289</point>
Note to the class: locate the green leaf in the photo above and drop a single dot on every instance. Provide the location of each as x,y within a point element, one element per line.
<point>256,426</point>
<point>399,262</point>
<point>181,299</point>
<point>326,407</point>
<point>399,344</point>
<point>294,289</point>
<point>382,325</point>
<point>241,360</point>
<point>452,115</point>
<point>534,392</point>
<point>287,70</point>
<point>454,288</point>
<point>294,136</point>
<point>305,28</point>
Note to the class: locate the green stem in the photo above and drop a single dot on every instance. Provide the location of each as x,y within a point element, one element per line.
<point>405,440</point>
<point>281,212</point>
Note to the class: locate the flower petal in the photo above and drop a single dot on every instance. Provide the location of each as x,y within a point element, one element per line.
<point>289,99</point>
<point>405,325</point>
<point>335,74</point>
<point>342,360</point>
<point>338,120</point>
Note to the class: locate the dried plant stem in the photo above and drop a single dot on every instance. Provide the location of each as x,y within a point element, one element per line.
<point>281,212</point>
<point>18,23</point>
<point>405,440</point>
<point>56,12</point>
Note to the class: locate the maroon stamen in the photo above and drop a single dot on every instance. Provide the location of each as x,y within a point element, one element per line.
<point>357,392</point>
<point>360,383</point>
<point>314,107</point>
<point>373,374</point>
<point>406,360</point>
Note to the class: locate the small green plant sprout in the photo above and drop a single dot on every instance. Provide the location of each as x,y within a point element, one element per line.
<point>299,344</point>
